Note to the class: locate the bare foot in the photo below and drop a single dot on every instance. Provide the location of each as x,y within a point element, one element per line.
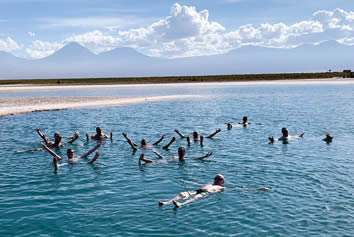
<point>94,158</point>
<point>176,204</point>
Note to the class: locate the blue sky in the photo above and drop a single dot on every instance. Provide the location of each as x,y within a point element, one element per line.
<point>164,28</point>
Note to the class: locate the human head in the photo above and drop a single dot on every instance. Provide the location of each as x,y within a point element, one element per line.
<point>181,153</point>
<point>219,180</point>
<point>98,131</point>
<point>195,135</point>
<point>57,139</point>
<point>143,142</point>
<point>70,153</point>
<point>285,132</point>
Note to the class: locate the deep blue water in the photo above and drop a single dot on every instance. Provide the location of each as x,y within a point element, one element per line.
<point>311,181</point>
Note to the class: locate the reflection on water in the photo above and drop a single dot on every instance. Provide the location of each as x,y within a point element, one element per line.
<point>311,181</point>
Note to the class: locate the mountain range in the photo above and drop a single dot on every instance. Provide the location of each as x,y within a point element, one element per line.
<point>76,61</point>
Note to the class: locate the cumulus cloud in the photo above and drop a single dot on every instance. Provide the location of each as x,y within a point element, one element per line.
<point>41,49</point>
<point>9,45</point>
<point>188,32</point>
<point>184,22</point>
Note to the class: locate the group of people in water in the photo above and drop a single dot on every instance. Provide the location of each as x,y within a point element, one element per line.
<point>190,196</point>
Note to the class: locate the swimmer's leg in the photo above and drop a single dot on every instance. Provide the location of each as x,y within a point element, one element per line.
<point>55,163</point>
<point>196,197</point>
<point>182,195</point>
<point>32,149</point>
<point>94,158</point>
<point>141,158</point>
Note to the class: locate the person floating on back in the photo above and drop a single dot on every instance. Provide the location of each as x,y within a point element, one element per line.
<point>217,186</point>
<point>144,144</point>
<point>99,135</point>
<point>180,157</point>
<point>70,155</point>
<point>285,136</point>
<point>196,136</point>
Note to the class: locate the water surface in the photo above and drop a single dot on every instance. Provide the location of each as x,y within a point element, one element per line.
<point>311,181</point>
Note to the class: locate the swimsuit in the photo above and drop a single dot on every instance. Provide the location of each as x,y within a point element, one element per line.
<point>201,191</point>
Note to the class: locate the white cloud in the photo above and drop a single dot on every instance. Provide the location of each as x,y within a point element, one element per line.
<point>187,32</point>
<point>92,22</point>
<point>31,34</point>
<point>41,49</point>
<point>9,45</point>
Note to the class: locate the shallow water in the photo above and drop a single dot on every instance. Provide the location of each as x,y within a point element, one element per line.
<point>311,181</point>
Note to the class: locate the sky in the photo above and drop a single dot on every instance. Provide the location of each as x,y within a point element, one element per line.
<point>164,28</point>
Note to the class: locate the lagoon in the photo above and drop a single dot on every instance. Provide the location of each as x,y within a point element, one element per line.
<point>311,181</point>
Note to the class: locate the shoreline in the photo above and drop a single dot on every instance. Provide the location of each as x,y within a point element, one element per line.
<point>14,106</point>
<point>46,87</point>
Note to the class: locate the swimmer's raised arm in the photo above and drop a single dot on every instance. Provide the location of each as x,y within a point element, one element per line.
<point>213,134</point>
<point>201,140</point>
<point>87,137</point>
<point>156,153</point>
<point>188,141</point>
<point>51,152</point>
<point>132,144</point>
<point>92,150</point>
<point>271,139</point>
<point>205,156</point>
<point>172,140</point>
<point>157,142</point>
<point>74,137</point>
<point>45,139</point>
<point>180,134</point>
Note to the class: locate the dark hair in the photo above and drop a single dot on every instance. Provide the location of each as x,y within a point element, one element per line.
<point>98,130</point>
<point>195,134</point>
<point>143,142</point>
<point>181,151</point>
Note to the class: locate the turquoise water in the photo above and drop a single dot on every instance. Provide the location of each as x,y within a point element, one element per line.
<point>311,181</point>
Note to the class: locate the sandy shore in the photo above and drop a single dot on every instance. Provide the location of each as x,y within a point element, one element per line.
<point>22,88</point>
<point>12,106</point>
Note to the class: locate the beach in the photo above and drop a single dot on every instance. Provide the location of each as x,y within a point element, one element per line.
<point>12,106</point>
<point>17,105</point>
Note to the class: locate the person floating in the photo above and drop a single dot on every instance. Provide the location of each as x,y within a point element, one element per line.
<point>191,196</point>
<point>99,135</point>
<point>144,144</point>
<point>180,157</point>
<point>196,136</point>
<point>328,138</point>
<point>285,136</point>
<point>70,155</point>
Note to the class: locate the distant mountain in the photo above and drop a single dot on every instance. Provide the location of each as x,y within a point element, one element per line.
<point>122,54</point>
<point>72,52</point>
<point>75,61</point>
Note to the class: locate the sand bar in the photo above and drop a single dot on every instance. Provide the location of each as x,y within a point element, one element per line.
<point>12,106</point>
<point>22,88</point>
